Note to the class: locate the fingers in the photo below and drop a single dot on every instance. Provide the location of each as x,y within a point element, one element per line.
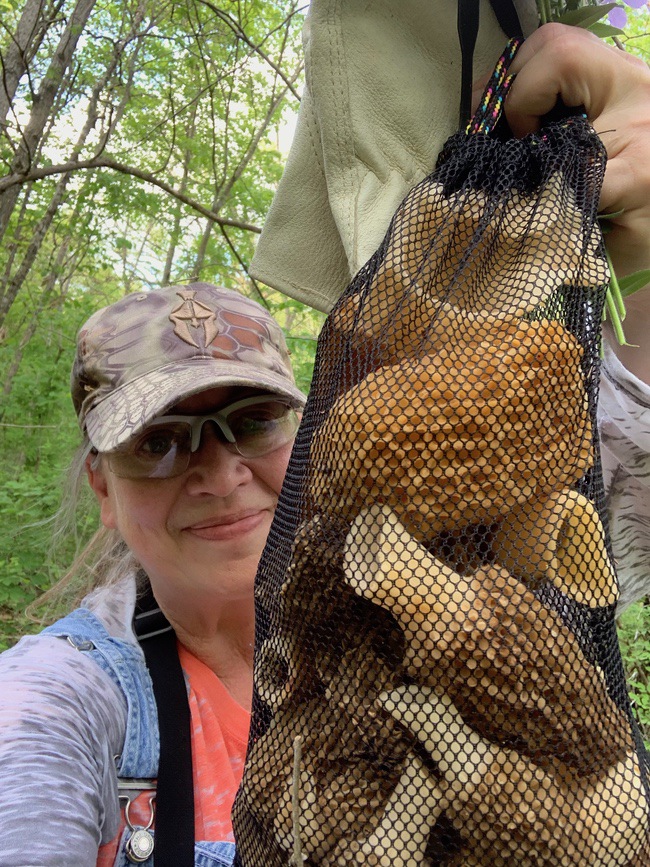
<point>613,86</point>
<point>548,66</point>
<point>626,176</point>
<point>571,63</point>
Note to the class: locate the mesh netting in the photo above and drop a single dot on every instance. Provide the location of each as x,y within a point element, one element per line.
<point>438,679</point>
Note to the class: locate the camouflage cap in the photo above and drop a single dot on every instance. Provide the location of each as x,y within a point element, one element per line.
<point>150,350</point>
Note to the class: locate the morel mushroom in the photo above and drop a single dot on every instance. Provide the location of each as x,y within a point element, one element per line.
<point>511,811</point>
<point>561,540</point>
<point>519,253</point>
<point>461,436</point>
<point>516,672</point>
<point>401,837</point>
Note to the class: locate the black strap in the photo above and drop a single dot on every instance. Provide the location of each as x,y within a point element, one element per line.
<point>506,14</point>
<point>174,828</point>
<point>468,22</point>
<point>468,17</point>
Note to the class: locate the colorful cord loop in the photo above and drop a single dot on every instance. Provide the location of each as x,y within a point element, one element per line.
<point>491,105</point>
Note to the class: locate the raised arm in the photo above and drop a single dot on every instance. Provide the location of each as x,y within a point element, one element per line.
<point>614,88</point>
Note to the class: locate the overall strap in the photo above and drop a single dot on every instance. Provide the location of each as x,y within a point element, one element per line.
<point>123,662</point>
<point>174,844</point>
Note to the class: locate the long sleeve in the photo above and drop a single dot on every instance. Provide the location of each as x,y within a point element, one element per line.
<point>625,441</point>
<point>62,721</point>
<point>381,97</point>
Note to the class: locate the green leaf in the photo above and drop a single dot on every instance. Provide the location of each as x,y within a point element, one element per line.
<point>633,282</point>
<point>605,31</point>
<point>603,220</point>
<point>611,216</point>
<point>586,16</point>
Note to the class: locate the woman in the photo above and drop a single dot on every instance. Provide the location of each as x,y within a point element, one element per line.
<point>188,407</point>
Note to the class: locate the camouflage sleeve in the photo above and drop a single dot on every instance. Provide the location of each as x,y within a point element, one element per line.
<point>625,440</point>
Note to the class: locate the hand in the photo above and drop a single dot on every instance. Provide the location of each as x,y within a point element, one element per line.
<point>614,88</point>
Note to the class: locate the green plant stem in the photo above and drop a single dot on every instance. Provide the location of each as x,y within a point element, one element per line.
<point>614,288</point>
<point>540,13</point>
<point>614,318</point>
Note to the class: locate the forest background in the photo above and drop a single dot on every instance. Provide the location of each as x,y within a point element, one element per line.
<point>141,142</point>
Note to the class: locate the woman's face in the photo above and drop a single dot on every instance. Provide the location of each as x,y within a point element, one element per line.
<point>201,533</point>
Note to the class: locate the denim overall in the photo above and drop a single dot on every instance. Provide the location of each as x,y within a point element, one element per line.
<point>125,664</point>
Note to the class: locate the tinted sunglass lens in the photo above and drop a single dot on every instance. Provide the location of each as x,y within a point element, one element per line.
<point>260,430</point>
<point>159,452</point>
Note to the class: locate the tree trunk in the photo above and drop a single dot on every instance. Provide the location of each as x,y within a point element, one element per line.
<point>225,189</point>
<point>12,248</point>
<point>175,233</point>
<point>11,287</point>
<point>42,105</point>
<point>21,48</point>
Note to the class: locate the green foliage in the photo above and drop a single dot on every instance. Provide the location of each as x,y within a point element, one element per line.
<point>301,326</point>
<point>38,435</point>
<point>637,33</point>
<point>184,97</point>
<point>589,14</point>
<point>634,638</point>
<point>23,553</point>
<point>185,101</point>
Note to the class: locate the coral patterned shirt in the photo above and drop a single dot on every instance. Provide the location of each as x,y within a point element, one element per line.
<point>219,737</point>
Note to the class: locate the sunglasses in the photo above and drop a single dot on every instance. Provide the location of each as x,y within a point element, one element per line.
<point>252,427</point>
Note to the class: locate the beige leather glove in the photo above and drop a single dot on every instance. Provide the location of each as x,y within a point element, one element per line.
<point>381,98</point>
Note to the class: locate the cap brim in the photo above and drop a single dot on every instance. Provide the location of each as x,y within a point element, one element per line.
<point>129,409</point>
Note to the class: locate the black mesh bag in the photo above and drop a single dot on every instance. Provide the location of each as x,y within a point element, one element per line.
<point>438,679</point>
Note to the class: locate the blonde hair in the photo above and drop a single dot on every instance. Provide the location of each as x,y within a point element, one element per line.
<point>101,561</point>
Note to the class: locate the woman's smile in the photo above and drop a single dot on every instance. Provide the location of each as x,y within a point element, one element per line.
<point>232,526</point>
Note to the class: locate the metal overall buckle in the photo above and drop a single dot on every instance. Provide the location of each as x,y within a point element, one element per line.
<point>140,843</point>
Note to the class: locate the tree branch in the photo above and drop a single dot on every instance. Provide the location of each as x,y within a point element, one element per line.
<point>37,174</point>
<point>244,268</point>
<point>238,30</point>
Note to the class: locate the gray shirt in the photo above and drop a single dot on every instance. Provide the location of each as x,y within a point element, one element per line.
<point>62,722</point>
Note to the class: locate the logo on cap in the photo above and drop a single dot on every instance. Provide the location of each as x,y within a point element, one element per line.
<point>191,313</point>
